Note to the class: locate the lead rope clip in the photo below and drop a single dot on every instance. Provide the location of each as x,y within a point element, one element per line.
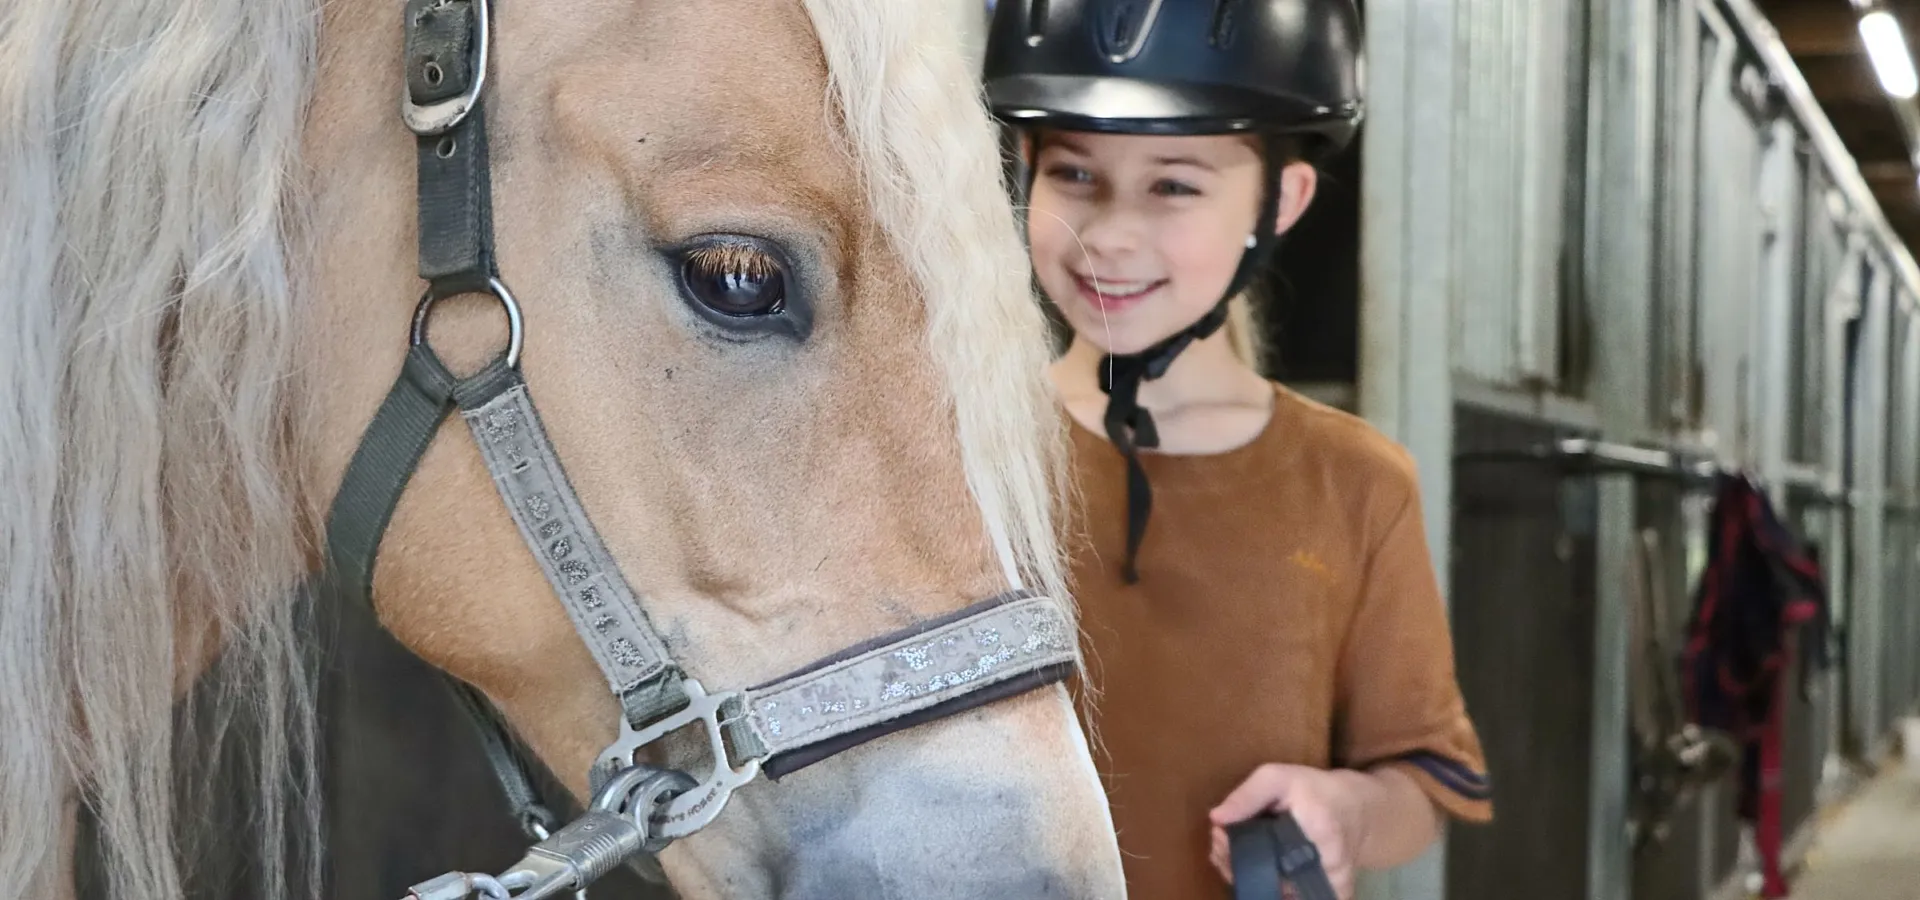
<point>614,829</point>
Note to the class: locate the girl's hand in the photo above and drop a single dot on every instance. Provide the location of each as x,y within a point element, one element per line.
<point>1329,805</point>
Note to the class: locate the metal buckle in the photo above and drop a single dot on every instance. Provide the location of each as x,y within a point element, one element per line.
<point>697,808</point>
<point>435,118</point>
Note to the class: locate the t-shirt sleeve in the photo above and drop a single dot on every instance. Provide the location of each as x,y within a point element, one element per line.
<point>1398,701</point>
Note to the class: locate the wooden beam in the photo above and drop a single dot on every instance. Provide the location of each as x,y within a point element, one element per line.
<point>1905,227</point>
<point>1901,206</point>
<point>1886,171</point>
<point>1815,27</point>
<point>1839,78</point>
<point>1867,128</point>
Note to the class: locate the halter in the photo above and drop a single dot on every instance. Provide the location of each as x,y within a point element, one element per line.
<point>995,649</point>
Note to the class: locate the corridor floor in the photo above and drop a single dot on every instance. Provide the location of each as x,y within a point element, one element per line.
<point>1870,849</point>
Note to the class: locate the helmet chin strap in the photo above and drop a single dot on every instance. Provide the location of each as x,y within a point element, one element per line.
<point>1129,425</point>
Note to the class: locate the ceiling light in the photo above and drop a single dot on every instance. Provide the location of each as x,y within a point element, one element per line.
<point>1887,47</point>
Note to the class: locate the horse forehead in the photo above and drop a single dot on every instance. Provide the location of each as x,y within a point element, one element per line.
<point>717,56</point>
<point>684,96</point>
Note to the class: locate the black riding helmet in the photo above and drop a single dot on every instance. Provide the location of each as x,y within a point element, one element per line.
<point>1178,66</point>
<point>1288,71</point>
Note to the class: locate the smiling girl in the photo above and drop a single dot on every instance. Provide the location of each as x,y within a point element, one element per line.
<point>1276,640</point>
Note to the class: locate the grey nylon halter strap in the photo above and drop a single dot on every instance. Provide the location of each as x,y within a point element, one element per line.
<point>575,561</point>
<point>995,649</point>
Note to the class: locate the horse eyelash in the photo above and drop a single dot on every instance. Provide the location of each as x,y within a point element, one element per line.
<point>734,259</point>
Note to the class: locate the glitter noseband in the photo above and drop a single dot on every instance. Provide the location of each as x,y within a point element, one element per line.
<point>996,649</point>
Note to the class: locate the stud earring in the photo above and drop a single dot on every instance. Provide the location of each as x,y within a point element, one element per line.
<point>1252,240</point>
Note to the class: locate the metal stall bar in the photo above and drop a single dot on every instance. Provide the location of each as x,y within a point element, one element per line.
<point>1784,247</point>
<point>1679,241</point>
<point>1552,33</point>
<point>1587,456</point>
<point>1407,284</point>
<point>1610,784</point>
<point>1824,236</point>
<point>1482,330</point>
<point>1868,475</point>
<point>1732,120</point>
<point>1617,275</point>
<point>1907,650</point>
<point>1841,306</point>
<point>1903,527</point>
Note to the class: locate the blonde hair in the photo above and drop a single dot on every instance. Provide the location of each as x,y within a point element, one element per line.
<point>147,157</point>
<point>1243,330</point>
<point>927,154</point>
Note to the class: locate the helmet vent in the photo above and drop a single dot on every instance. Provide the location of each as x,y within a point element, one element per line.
<point>1225,23</point>
<point>1036,22</point>
<point>1123,27</point>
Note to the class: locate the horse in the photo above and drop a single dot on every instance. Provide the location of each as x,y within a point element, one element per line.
<point>208,282</point>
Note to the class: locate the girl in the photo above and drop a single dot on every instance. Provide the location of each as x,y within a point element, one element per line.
<point>1276,639</point>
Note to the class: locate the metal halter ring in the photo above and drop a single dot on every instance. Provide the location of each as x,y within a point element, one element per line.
<point>516,331</point>
<point>640,792</point>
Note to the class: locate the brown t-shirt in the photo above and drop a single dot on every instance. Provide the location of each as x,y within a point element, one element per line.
<point>1286,612</point>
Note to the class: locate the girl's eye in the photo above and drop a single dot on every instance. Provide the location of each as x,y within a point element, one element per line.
<point>1171,188</point>
<point>1069,174</point>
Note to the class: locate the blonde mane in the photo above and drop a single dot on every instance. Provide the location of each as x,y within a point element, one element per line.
<point>912,109</point>
<point>149,156</point>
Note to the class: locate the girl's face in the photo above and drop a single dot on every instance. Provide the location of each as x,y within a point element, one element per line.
<point>1135,237</point>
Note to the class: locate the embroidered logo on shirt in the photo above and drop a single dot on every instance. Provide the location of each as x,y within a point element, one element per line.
<point>1305,559</point>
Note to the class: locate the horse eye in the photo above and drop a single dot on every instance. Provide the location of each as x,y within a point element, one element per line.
<point>735,279</point>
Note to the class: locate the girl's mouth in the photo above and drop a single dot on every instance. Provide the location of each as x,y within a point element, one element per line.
<point>1109,295</point>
